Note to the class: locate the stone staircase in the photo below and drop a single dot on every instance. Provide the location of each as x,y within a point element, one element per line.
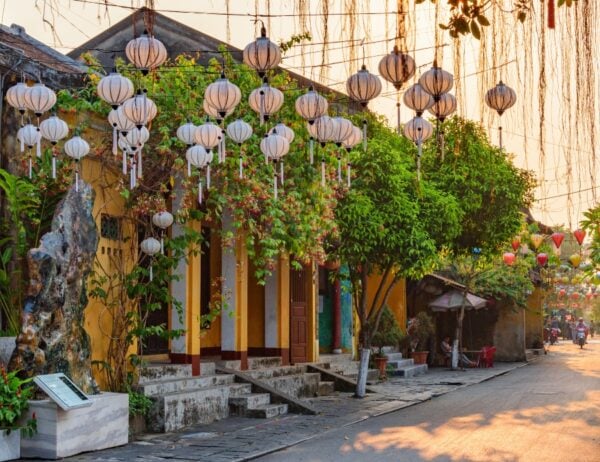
<point>344,365</point>
<point>400,367</point>
<point>181,400</point>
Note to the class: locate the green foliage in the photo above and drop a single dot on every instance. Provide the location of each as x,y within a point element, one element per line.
<point>139,404</point>
<point>388,333</point>
<point>491,192</point>
<point>14,401</point>
<point>419,329</point>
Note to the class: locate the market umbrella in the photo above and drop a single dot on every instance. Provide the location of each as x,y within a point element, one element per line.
<point>453,300</point>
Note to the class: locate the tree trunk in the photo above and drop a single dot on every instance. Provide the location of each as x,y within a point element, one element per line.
<point>457,345</point>
<point>363,371</point>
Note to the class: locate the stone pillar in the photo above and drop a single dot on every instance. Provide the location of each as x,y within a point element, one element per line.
<point>234,319</point>
<point>336,307</point>
<point>277,311</point>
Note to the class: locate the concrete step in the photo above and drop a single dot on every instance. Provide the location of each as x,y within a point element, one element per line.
<point>239,389</point>
<point>267,411</point>
<point>410,371</point>
<point>304,385</point>
<point>389,350</point>
<point>234,364</point>
<point>332,359</point>
<point>207,368</point>
<point>326,388</point>
<point>267,373</point>
<point>264,362</point>
<point>163,387</point>
<point>399,364</point>
<point>167,371</point>
<point>240,404</point>
<point>393,356</point>
<point>174,411</point>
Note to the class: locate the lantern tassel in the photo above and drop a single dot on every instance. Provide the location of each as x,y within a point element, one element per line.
<point>311,148</point>
<point>38,148</point>
<point>275,186</point>
<point>124,162</point>
<point>500,135</point>
<point>114,148</point>
<point>162,245</point>
<point>339,169</point>
<point>241,167</point>
<point>398,113</point>
<point>200,192</point>
<point>442,144</point>
<point>348,174</point>
<point>208,177</point>
<point>139,165</point>
<point>223,148</point>
<point>419,161</point>
<point>323,172</point>
<point>364,134</point>
<point>281,172</point>
<point>30,168</point>
<point>189,168</point>
<point>53,167</point>
<point>151,274</point>
<point>132,176</point>
<point>76,181</point>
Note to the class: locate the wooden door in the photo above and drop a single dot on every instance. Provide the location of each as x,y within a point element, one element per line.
<point>298,316</point>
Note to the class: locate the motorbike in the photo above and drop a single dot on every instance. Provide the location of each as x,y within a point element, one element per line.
<point>553,335</point>
<point>580,335</point>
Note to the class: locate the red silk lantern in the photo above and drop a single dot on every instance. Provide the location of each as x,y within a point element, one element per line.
<point>542,259</point>
<point>509,258</point>
<point>588,295</point>
<point>562,292</point>
<point>558,239</point>
<point>575,296</point>
<point>516,242</point>
<point>579,235</point>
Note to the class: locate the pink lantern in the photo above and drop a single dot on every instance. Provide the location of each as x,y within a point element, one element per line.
<point>579,235</point>
<point>542,259</point>
<point>509,258</point>
<point>557,238</point>
<point>562,292</point>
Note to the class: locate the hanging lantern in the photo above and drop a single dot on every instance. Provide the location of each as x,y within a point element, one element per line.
<point>223,95</point>
<point>575,260</point>
<point>120,124</point>
<point>200,158</point>
<point>436,81</point>
<point>240,131</point>
<point>30,136</point>
<point>557,238</point>
<point>445,106</point>
<point>397,68</point>
<point>76,148</point>
<point>208,135</point>
<point>150,247</point>
<point>323,129</point>
<point>536,240</point>
<point>140,109</point>
<point>266,101</point>
<point>354,139</point>
<point>342,129</point>
<point>39,99</point>
<point>418,130</point>
<point>562,292</point>
<point>500,98</point>
<point>162,220</point>
<point>418,99</point>
<point>54,129</point>
<point>283,130</point>
<point>516,243</point>
<point>542,259</point>
<point>186,133</point>
<point>115,89</point>
<point>274,147</point>
<point>579,235</point>
<point>575,296</point>
<point>508,258</point>
<point>262,54</point>
<point>363,86</point>
<point>213,113</point>
<point>137,136</point>
<point>16,96</point>
<point>146,52</point>
<point>311,105</point>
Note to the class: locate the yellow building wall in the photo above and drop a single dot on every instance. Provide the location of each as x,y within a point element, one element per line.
<point>256,310</point>
<point>534,317</point>
<point>396,300</point>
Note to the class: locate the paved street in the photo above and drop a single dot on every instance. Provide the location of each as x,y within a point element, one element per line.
<point>549,410</point>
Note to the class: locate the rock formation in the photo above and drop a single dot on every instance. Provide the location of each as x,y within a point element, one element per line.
<point>52,337</point>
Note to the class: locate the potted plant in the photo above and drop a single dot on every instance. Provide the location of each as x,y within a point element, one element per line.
<point>420,328</point>
<point>388,333</point>
<point>14,401</point>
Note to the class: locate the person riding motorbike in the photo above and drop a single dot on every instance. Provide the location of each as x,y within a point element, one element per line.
<point>581,330</point>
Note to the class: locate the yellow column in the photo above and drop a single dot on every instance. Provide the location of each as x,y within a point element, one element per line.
<point>241,298</point>
<point>283,295</point>
<point>312,301</point>
<point>192,309</point>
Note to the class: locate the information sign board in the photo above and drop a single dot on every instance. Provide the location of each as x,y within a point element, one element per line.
<point>62,391</point>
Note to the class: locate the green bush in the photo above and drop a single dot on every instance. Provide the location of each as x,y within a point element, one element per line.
<point>14,401</point>
<point>388,332</point>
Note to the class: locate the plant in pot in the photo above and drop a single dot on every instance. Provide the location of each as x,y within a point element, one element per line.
<point>387,333</point>
<point>14,402</point>
<point>420,328</point>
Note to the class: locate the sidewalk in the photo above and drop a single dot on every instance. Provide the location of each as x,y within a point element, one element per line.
<point>239,438</point>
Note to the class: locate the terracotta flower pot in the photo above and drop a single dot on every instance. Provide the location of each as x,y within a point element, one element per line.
<point>420,357</point>
<point>381,365</point>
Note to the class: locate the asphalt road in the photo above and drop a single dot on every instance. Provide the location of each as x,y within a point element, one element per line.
<point>546,411</point>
